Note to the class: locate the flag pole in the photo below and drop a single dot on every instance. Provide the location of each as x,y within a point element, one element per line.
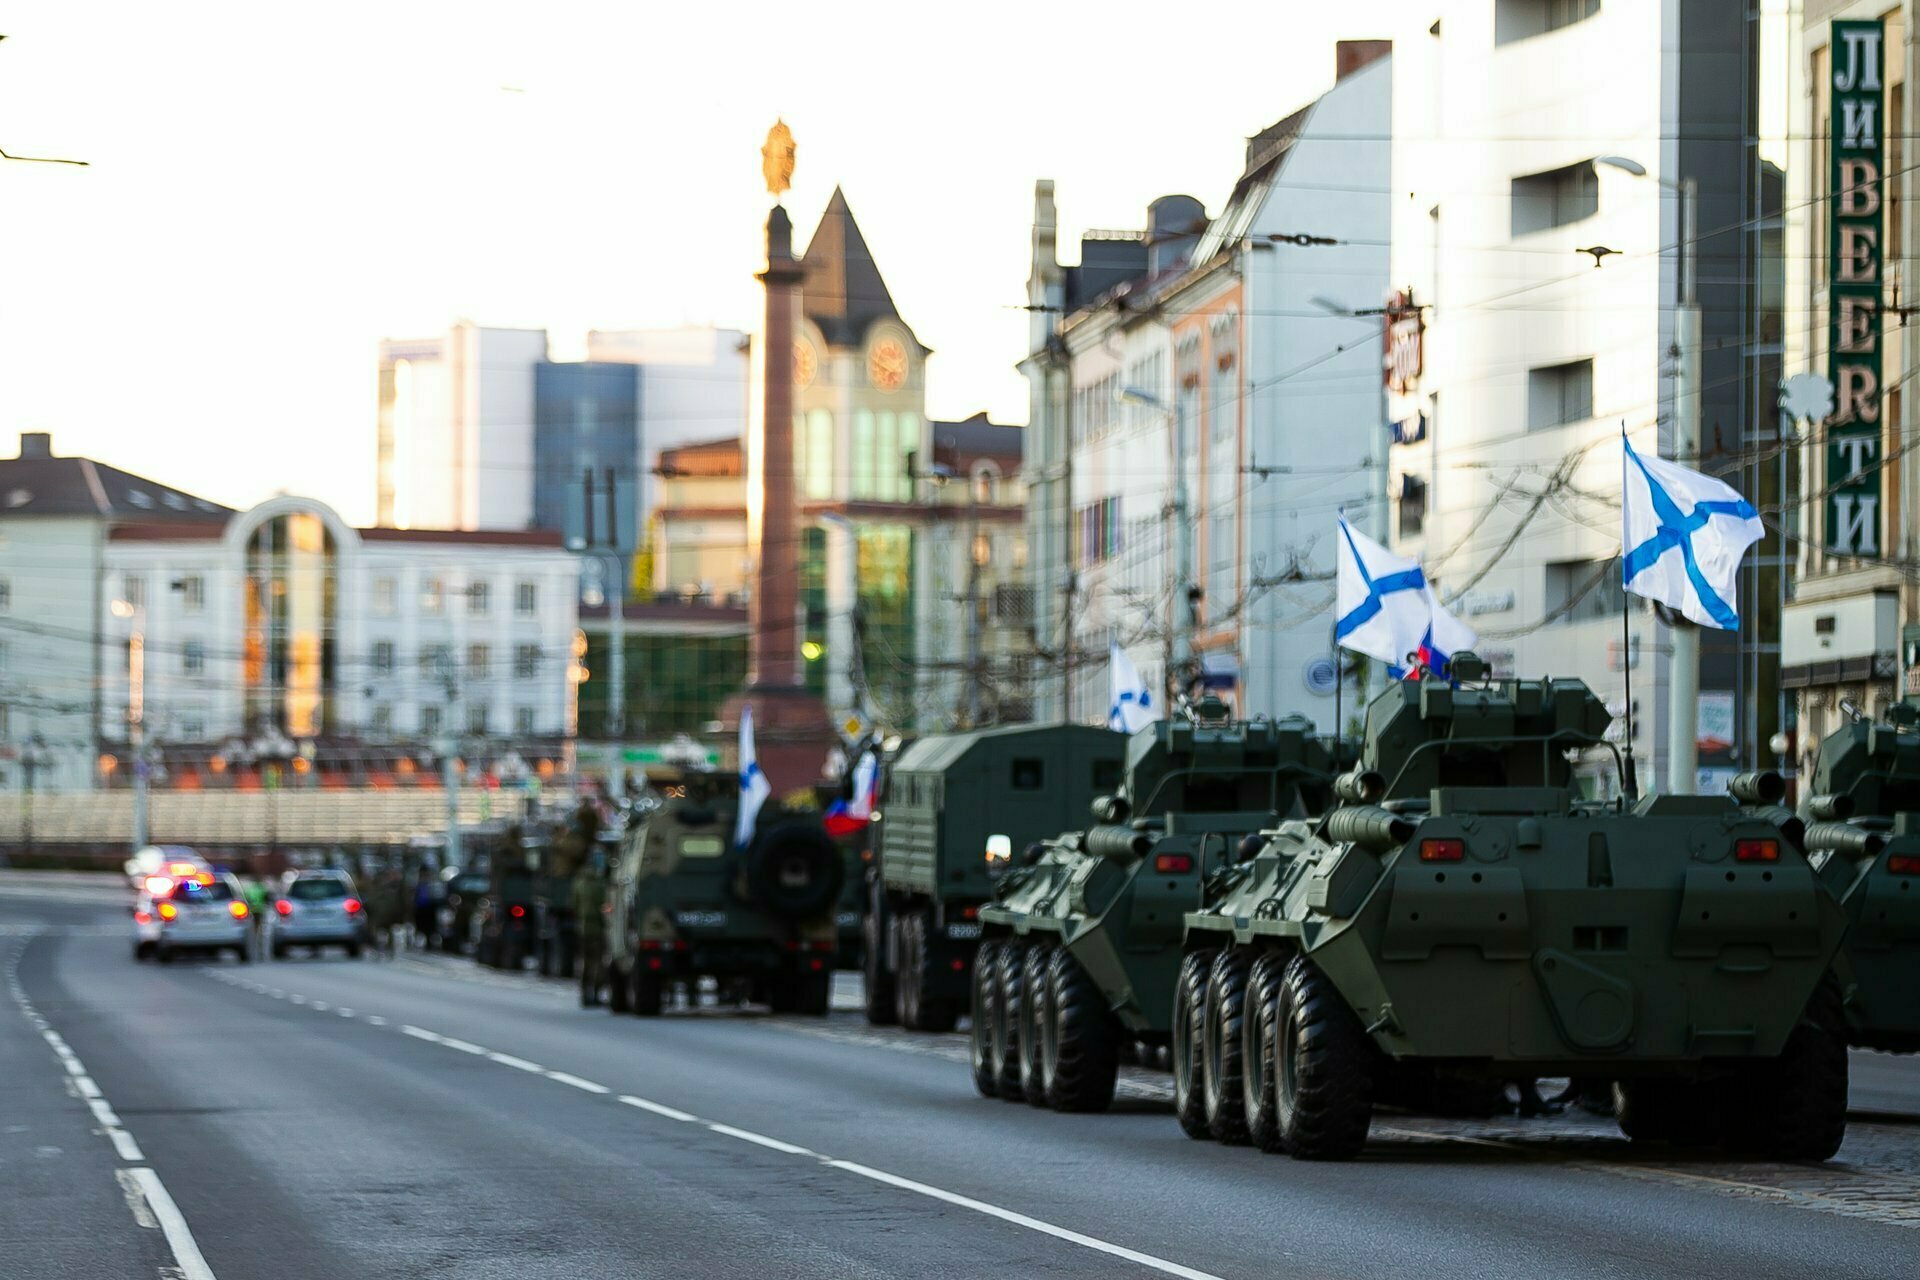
<point>1629,779</point>
<point>1339,679</point>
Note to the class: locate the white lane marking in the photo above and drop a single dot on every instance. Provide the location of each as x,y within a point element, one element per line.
<point>518,1064</point>
<point>103,1113</point>
<point>588,1086</point>
<point>345,1013</point>
<point>136,1200</point>
<point>761,1140</point>
<point>463,1046</point>
<point>186,1253</point>
<point>375,1020</point>
<point>1022,1220</point>
<point>657,1109</point>
<point>86,1086</point>
<point>124,1144</point>
<point>432,1037</point>
<point>321,1006</point>
<point>297,998</point>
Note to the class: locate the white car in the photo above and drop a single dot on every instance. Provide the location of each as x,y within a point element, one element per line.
<point>186,907</point>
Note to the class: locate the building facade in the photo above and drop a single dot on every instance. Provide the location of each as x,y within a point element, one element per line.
<point>587,475</point>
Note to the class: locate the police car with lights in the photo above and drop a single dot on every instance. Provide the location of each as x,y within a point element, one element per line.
<point>183,905</point>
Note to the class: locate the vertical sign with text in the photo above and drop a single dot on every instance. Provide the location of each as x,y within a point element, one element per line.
<point>1855,180</point>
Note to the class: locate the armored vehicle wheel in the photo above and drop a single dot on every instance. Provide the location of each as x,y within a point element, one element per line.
<point>879,979</point>
<point>617,990</point>
<point>1262,1011</point>
<point>1026,1010</point>
<point>1795,1107</point>
<point>1682,1112</point>
<point>649,993</point>
<point>982,1017</point>
<point>1189,1002</point>
<point>904,986</point>
<point>813,992</point>
<point>1220,1056</point>
<point>1006,991</point>
<point>794,870</point>
<point>1323,1066</point>
<point>1080,1039</point>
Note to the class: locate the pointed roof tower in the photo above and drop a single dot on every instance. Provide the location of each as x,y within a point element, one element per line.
<point>843,291</point>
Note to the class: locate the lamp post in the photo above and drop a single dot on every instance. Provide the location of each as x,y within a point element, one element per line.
<point>136,712</point>
<point>1683,675</point>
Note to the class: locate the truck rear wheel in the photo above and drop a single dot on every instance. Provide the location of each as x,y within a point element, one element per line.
<point>1026,1009</point>
<point>1225,1011</point>
<point>649,993</point>
<point>1323,1063</point>
<point>1256,1064</point>
<point>1080,1039</point>
<point>1189,1001</point>
<point>617,990</point>
<point>1795,1106</point>
<point>813,990</point>
<point>983,1018</point>
<point>879,978</point>
<point>1682,1112</point>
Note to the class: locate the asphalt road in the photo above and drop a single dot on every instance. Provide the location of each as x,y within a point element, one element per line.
<point>421,1118</point>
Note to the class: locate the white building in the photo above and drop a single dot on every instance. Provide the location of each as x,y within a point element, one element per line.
<point>1541,281</point>
<point>1208,399</point>
<point>693,387</point>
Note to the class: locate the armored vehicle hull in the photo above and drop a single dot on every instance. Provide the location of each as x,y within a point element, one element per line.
<point>1480,923</point>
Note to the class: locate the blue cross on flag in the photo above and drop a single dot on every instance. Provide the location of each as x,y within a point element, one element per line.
<point>754,787</point>
<point>1130,703</point>
<point>1683,538</point>
<point>1387,609</point>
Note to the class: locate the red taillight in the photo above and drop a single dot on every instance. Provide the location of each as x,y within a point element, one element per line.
<point>969,913</point>
<point>168,911</point>
<point>1756,851</point>
<point>239,910</point>
<point>353,906</point>
<point>284,907</point>
<point>1442,850</point>
<point>516,911</point>
<point>817,965</point>
<point>1173,863</point>
<point>1904,864</point>
<point>959,965</point>
<point>144,917</point>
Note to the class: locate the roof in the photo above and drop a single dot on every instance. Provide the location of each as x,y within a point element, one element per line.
<point>495,537</point>
<point>1266,155</point>
<point>704,458</point>
<point>56,486</point>
<point>959,443</point>
<point>944,750</point>
<point>843,292</point>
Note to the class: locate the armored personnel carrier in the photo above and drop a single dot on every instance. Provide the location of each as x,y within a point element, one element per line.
<point>1863,818</point>
<point>685,904</point>
<point>956,805</point>
<point>1081,942</point>
<point>1464,914</point>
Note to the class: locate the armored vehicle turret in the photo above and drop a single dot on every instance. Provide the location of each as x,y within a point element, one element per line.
<point>1081,941</point>
<point>1466,914</point>
<point>686,903</point>
<point>1862,812</point>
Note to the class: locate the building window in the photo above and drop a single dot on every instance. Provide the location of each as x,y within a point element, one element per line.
<point>816,460</point>
<point>134,590</point>
<point>523,722</point>
<point>1555,198</point>
<point>1583,591</point>
<point>982,550</point>
<point>380,724</point>
<point>479,598</point>
<point>193,593</point>
<point>429,721</point>
<point>386,596</point>
<point>383,657</point>
<point>1559,394</point>
<point>433,596</point>
<point>526,661</point>
<point>434,660</point>
<point>1413,506</point>
<point>193,658</point>
<point>1519,19</point>
<point>863,454</point>
<point>986,484</point>
<point>479,658</point>
<point>526,599</point>
<point>193,728</point>
<point>477,718</point>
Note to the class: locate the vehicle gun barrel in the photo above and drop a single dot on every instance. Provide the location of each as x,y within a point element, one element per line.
<point>1831,808</point>
<point>1370,827</point>
<point>1118,842</point>
<point>1361,786</point>
<point>1839,837</point>
<point>1791,824</point>
<point>1760,786</point>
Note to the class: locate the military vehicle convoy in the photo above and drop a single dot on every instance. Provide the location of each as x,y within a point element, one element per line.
<point>1082,939</point>
<point>685,904</point>
<point>1464,914</point>
<point>1863,816</point>
<point>955,805</point>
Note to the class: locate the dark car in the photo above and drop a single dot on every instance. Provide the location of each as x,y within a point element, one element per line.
<point>462,888</point>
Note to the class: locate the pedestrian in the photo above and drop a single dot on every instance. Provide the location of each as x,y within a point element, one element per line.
<point>387,910</point>
<point>426,913</point>
<point>590,923</point>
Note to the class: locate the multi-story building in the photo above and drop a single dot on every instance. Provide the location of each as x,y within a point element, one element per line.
<point>1204,402</point>
<point>1852,633</point>
<point>694,388</point>
<point>1536,246</point>
<point>697,539</point>
<point>587,477</point>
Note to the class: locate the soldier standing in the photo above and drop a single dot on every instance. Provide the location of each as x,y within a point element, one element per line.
<point>590,923</point>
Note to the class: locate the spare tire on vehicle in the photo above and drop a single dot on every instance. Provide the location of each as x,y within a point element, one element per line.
<point>793,869</point>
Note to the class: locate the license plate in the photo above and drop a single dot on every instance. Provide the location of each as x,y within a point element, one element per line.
<point>963,930</point>
<point>700,919</point>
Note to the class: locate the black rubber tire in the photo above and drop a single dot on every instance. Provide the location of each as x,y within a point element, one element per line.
<point>142,951</point>
<point>1080,1039</point>
<point>1225,1011</point>
<point>928,1013</point>
<point>279,951</point>
<point>1795,1106</point>
<point>982,1017</point>
<point>648,994</point>
<point>243,954</point>
<point>794,870</point>
<point>353,951</point>
<point>1028,1010</point>
<point>813,991</point>
<point>1189,1003</point>
<point>1682,1112</point>
<point>618,993</point>
<point>900,929</point>
<point>1005,987</point>
<point>1261,1012</point>
<point>163,954</point>
<point>879,992</point>
<point>1323,1062</point>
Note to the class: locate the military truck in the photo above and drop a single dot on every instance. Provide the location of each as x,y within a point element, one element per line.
<point>686,904</point>
<point>1082,938</point>
<point>955,804</point>
<point>1465,914</point>
<point>1863,816</point>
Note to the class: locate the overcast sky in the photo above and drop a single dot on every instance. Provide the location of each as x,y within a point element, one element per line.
<point>275,187</point>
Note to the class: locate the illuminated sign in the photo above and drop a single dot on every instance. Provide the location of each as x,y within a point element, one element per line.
<point>1404,332</point>
<point>1856,55</point>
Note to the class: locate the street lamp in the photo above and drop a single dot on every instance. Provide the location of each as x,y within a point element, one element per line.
<point>1683,678</point>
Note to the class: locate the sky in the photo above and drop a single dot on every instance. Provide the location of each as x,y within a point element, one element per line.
<point>273,188</point>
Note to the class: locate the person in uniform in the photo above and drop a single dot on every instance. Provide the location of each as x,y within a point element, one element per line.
<point>590,925</point>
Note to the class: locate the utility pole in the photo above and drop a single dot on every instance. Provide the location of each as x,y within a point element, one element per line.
<point>1683,678</point>
<point>608,553</point>
<point>972,694</point>
<point>136,729</point>
<point>449,748</point>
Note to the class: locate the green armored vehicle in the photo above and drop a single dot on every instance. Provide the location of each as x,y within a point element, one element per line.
<point>1863,813</point>
<point>955,806</point>
<point>1465,916</point>
<point>685,904</point>
<point>1082,939</point>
